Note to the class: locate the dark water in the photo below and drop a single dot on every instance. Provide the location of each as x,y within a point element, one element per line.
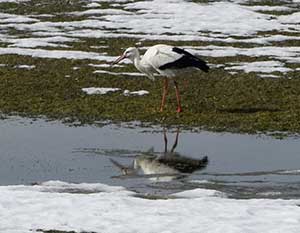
<point>243,166</point>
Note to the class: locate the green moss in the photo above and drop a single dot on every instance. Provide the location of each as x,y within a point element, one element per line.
<point>42,7</point>
<point>266,3</point>
<point>216,101</point>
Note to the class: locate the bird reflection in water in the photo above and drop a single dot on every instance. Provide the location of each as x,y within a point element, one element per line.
<point>163,166</point>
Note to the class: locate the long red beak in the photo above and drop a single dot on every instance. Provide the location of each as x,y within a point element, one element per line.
<point>118,60</point>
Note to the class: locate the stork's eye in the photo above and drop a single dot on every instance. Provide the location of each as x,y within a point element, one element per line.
<point>127,53</point>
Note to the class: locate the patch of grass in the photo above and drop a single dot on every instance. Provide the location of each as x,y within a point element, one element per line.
<point>276,13</point>
<point>266,3</point>
<point>216,101</point>
<point>8,6</point>
<point>42,7</point>
<point>202,1</point>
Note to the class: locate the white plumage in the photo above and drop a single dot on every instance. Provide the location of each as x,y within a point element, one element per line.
<point>160,55</point>
<point>166,60</point>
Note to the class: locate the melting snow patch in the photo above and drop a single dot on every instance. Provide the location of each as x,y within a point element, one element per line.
<point>105,90</point>
<point>92,5</point>
<point>268,76</point>
<point>293,18</point>
<point>161,20</point>
<point>60,186</point>
<point>12,18</point>
<point>289,54</point>
<point>173,18</point>
<point>43,53</point>
<point>99,47</point>
<point>104,65</point>
<point>136,93</point>
<point>27,67</point>
<point>198,193</point>
<point>118,73</point>
<point>101,12</point>
<point>55,41</point>
<point>99,90</point>
<point>102,208</point>
<point>260,67</point>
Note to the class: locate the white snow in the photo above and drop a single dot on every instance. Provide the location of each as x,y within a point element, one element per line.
<point>106,90</point>
<point>293,18</point>
<point>56,41</point>
<point>99,47</point>
<point>260,67</point>
<point>136,93</point>
<point>27,67</point>
<point>93,5</point>
<point>118,73</point>
<point>99,90</point>
<point>165,16</point>
<point>102,208</point>
<point>173,20</point>
<point>268,76</point>
<point>101,12</point>
<point>12,18</point>
<point>198,193</point>
<point>203,21</point>
<point>289,54</point>
<point>68,54</point>
<point>104,65</point>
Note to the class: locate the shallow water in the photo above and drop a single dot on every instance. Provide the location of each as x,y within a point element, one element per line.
<point>243,166</point>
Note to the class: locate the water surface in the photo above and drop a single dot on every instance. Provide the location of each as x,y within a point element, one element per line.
<point>243,166</point>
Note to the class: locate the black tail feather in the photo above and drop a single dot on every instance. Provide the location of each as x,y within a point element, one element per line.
<point>202,65</point>
<point>187,60</point>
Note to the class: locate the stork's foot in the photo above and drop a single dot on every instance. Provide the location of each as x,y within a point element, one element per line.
<point>179,109</point>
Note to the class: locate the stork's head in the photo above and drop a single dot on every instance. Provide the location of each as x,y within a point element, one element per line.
<point>129,53</point>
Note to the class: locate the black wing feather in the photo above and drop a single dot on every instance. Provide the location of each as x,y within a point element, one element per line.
<point>187,60</point>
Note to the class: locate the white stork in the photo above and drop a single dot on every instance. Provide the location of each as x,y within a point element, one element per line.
<point>166,60</point>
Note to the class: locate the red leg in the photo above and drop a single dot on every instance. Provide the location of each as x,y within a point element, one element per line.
<point>179,109</point>
<point>165,91</point>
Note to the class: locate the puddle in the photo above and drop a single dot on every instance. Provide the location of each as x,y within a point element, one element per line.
<point>150,161</point>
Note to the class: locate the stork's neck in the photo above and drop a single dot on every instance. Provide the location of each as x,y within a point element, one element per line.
<point>137,62</point>
<point>136,59</point>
